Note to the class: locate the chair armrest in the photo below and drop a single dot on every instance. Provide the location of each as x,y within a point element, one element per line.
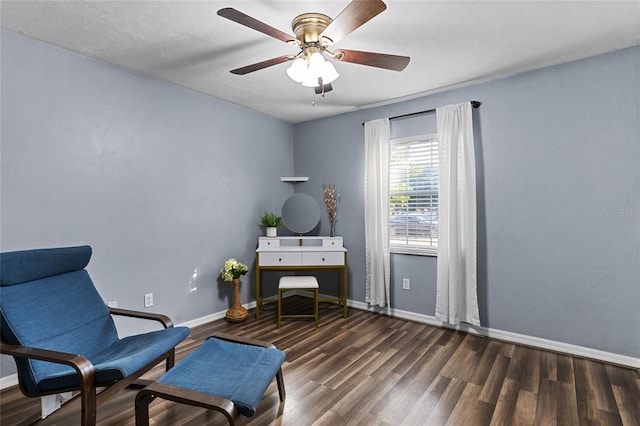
<point>163,319</point>
<point>82,365</point>
<point>244,340</point>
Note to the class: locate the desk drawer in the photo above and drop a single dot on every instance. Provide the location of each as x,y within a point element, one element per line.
<point>268,242</point>
<point>323,258</point>
<point>332,242</point>
<point>280,259</point>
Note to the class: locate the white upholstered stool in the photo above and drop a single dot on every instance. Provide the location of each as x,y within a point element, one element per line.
<point>298,283</point>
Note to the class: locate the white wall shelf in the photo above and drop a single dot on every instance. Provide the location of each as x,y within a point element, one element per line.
<point>294,179</point>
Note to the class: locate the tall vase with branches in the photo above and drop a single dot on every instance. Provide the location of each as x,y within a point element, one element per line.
<point>332,200</point>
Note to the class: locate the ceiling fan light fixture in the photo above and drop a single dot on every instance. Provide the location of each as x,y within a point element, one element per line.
<point>298,70</point>
<point>310,81</point>
<point>329,73</point>
<point>315,61</point>
<point>308,71</point>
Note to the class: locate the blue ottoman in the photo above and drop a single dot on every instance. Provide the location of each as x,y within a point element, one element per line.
<point>227,373</point>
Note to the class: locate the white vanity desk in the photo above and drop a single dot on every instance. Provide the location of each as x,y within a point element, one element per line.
<point>302,253</point>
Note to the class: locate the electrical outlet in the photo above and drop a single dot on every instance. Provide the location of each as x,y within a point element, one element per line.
<point>112,304</point>
<point>406,284</point>
<point>148,300</point>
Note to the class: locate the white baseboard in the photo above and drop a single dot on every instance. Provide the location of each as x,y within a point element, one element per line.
<point>8,381</point>
<point>507,336</point>
<point>212,317</point>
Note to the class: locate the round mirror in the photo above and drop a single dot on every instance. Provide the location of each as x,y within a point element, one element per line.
<point>300,213</point>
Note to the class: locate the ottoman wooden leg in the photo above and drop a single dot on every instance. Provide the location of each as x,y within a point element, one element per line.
<point>183,396</point>
<point>143,399</point>
<point>280,380</point>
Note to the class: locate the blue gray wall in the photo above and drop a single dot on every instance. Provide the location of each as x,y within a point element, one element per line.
<point>558,155</point>
<point>161,181</point>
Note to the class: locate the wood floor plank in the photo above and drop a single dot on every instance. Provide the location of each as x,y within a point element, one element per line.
<point>447,403</point>
<point>364,398</point>
<point>470,408</point>
<point>427,401</point>
<point>605,399</point>
<point>488,356</point>
<point>380,360</point>
<point>358,366</point>
<point>505,407</point>
<point>525,409</point>
<point>405,360</point>
<point>371,369</point>
<point>549,365</point>
<point>546,403</point>
<point>565,369</point>
<point>467,356</point>
<point>585,391</point>
<point>531,365</point>
<point>492,387</point>
<point>567,406</point>
<point>628,406</point>
<point>401,399</point>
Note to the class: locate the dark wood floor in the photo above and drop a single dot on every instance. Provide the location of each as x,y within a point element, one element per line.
<point>371,369</point>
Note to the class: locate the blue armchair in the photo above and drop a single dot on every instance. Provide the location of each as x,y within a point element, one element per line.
<point>62,335</point>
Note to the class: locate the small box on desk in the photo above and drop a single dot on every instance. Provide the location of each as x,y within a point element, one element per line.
<point>332,242</point>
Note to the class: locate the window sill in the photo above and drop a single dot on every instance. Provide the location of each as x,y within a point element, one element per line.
<point>414,251</point>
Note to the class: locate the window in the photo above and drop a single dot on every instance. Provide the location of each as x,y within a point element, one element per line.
<point>413,195</point>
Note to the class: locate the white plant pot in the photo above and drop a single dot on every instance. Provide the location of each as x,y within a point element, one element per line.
<point>272,231</point>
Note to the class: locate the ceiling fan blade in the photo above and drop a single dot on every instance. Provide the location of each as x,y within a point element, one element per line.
<point>260,65</point>
<point>357,13</point>
<point>378,60</point>
<point>246,20</point>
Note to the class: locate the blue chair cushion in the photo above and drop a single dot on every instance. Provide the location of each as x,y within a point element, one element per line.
<point>30,265</point>
<point>123,358</point>
<point>238,372</point>
<point>57,313</point>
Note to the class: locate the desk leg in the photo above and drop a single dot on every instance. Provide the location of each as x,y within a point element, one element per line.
<point>258,291</point>
<point>344,287</point>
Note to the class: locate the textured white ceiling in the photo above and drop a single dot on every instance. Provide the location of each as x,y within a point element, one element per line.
<point>449,42</point>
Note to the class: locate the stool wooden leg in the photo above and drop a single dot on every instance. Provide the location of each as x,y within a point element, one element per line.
<point>315,305</point>
<point>279,306</point>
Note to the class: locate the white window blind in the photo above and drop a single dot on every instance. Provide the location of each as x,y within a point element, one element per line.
<point>413,191</point>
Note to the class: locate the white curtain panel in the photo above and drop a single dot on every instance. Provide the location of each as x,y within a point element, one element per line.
<point>376,211</point>
<point>457,296</point>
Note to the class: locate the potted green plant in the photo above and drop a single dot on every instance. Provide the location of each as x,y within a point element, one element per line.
<point>271,222</point>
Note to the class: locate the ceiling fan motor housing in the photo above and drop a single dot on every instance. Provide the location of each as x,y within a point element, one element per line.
<point>309,26</point>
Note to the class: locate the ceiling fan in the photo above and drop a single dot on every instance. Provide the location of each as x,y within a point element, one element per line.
<point>314,34</point>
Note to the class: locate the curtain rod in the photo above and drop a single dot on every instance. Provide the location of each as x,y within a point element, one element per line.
<point>474,104</point>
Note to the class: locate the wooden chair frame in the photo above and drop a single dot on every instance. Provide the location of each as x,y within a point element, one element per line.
<point>90,398</point>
